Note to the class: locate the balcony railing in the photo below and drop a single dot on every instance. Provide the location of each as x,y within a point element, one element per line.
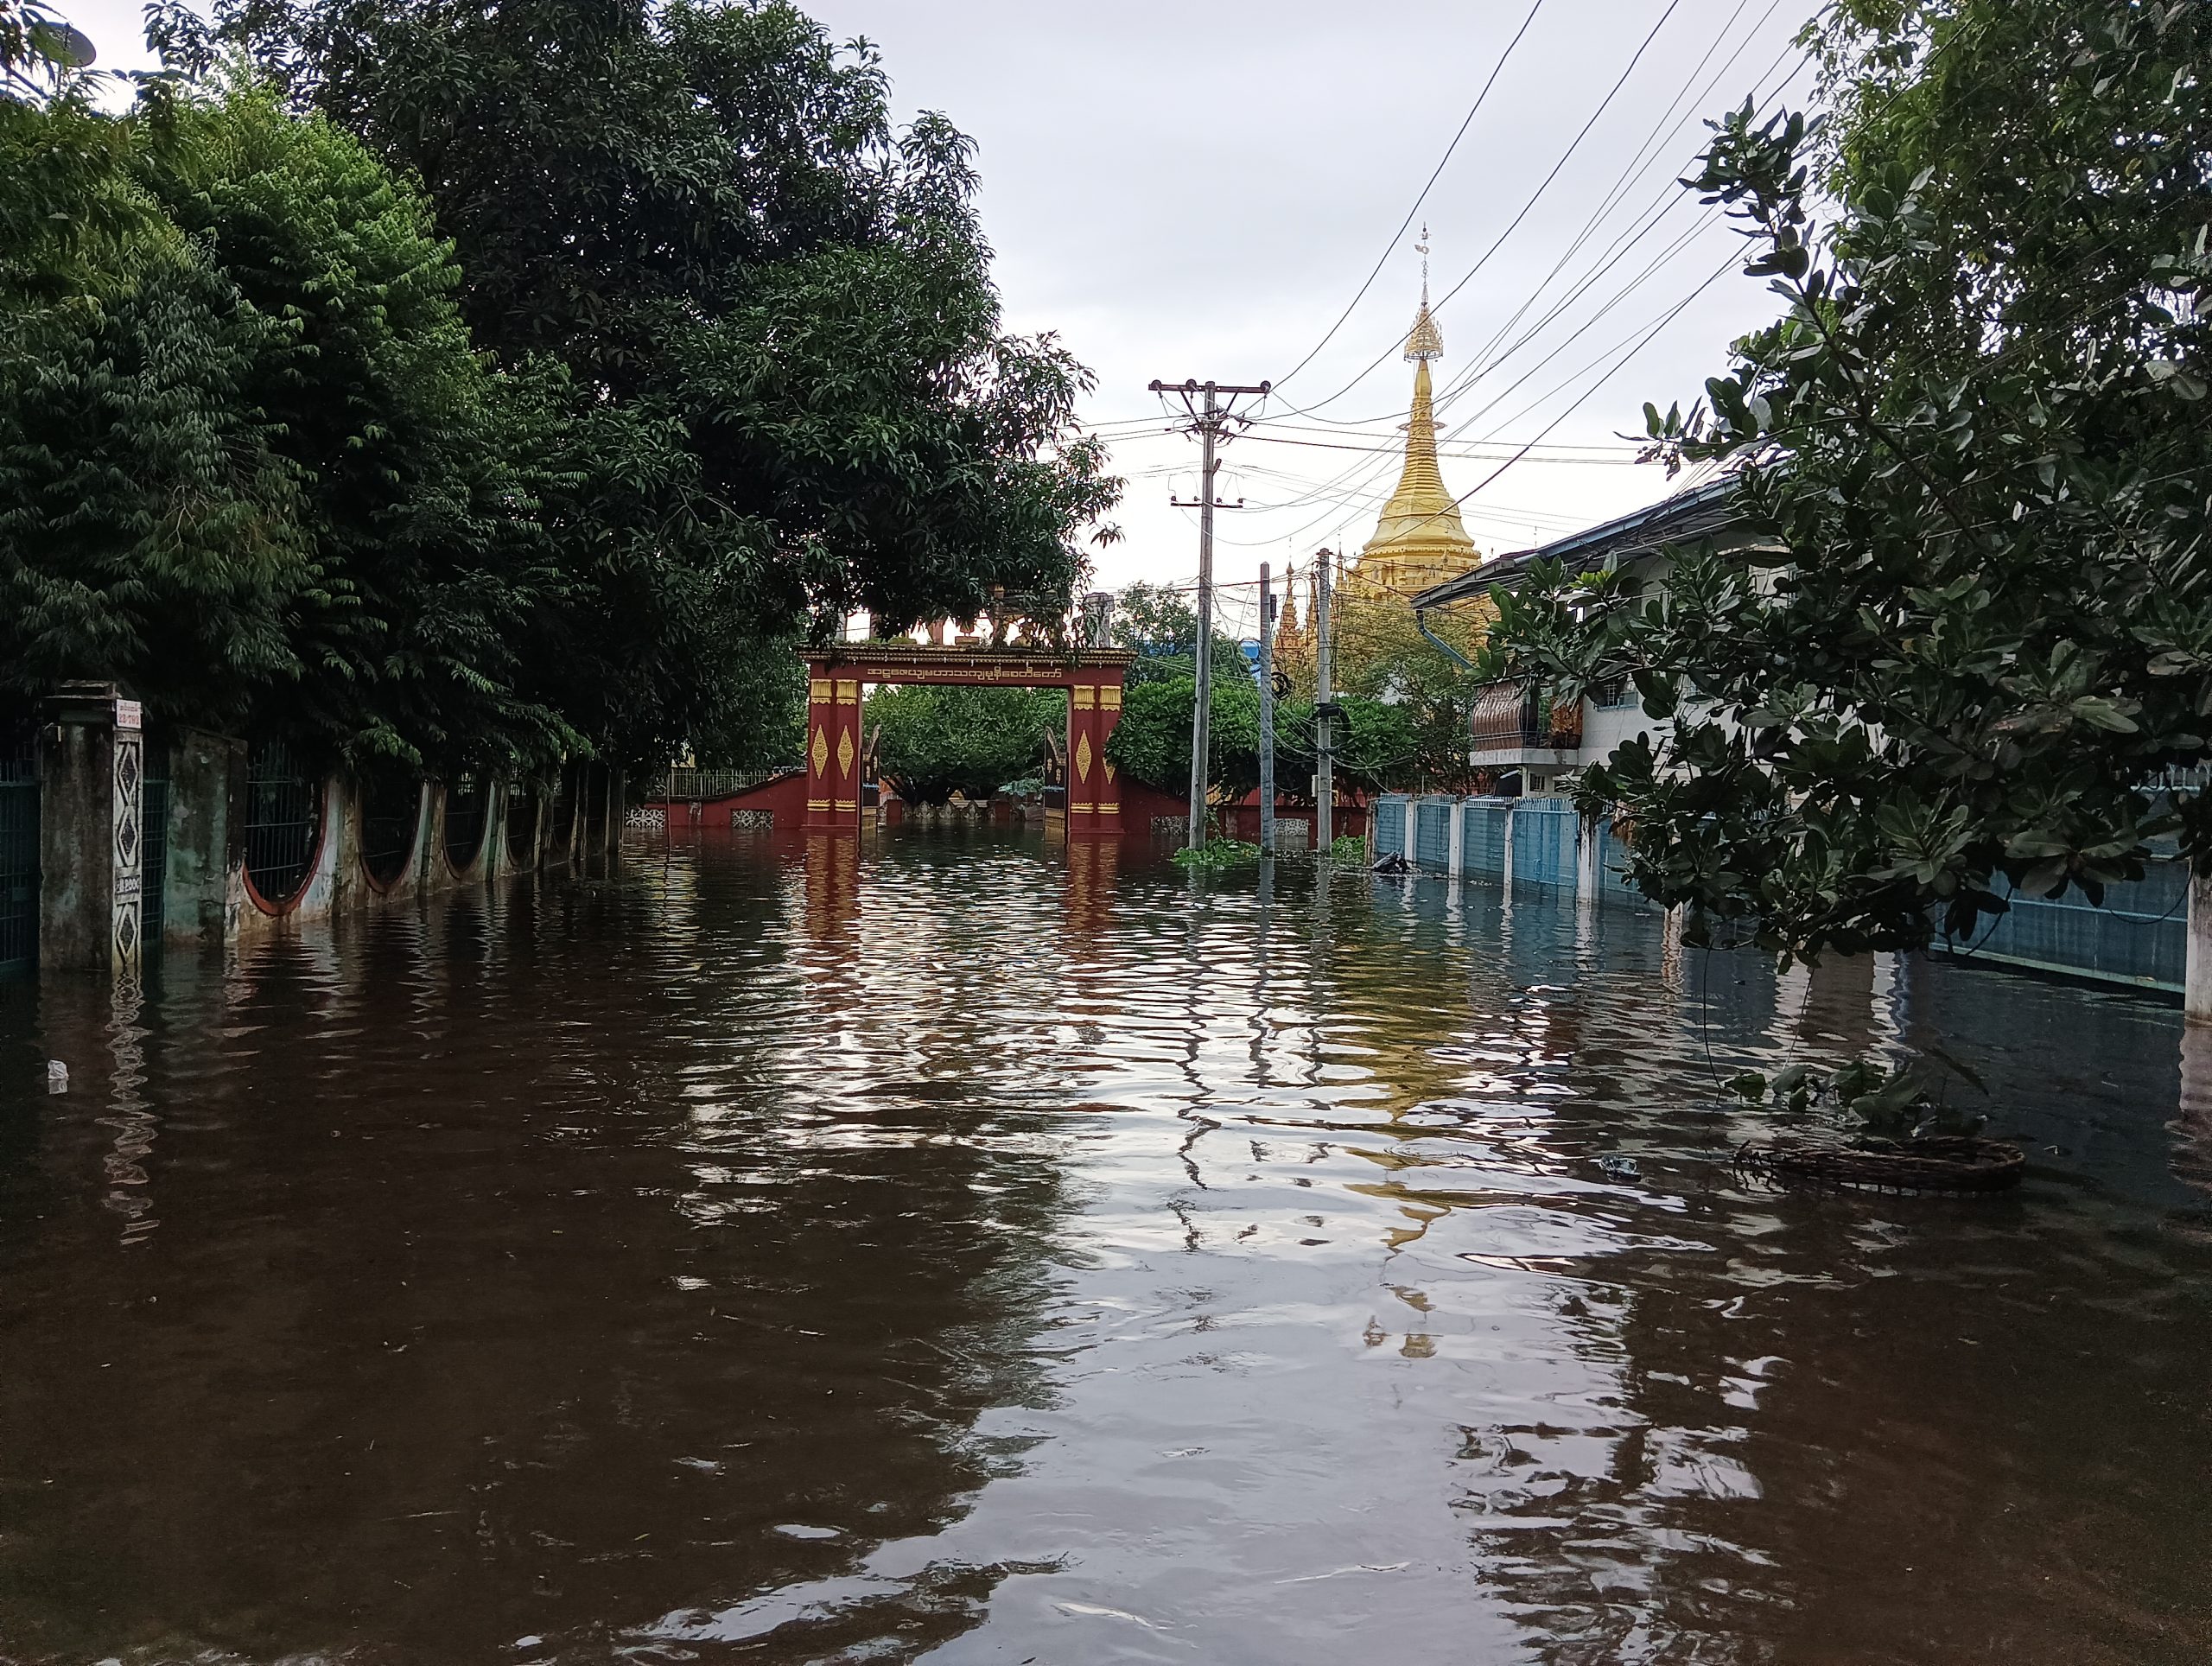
<point>680,784</point>
<point>1516,717</point>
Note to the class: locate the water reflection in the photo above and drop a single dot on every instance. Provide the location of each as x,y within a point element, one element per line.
<point>961,1246</point>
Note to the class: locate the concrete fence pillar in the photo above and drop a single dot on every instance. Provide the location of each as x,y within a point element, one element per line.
<point>1590,857</point>
<point>207,835</point>
<point>2197,985</point>
<point>1455,860</point>
<point>1505,847</point>
<point>93,770</point>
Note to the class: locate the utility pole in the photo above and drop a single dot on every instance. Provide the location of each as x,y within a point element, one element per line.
<point>1324,770</point>
<point>1267,716</point>
<point>1208,420</point>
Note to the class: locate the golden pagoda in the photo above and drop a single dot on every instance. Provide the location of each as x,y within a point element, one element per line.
<point>1419,541</point>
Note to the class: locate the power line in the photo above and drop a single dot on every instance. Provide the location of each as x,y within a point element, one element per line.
<point>1537,196</point>
<point>1390,247</point>
<point>1640,164</point>
<point>1335,489</point>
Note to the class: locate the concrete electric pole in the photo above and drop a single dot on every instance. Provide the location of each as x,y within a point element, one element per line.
<point>1209,418</point>
<point>1267,716</point>
<point>1324,763</point>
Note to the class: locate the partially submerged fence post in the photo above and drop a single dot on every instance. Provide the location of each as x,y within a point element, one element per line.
<point>1589,857</point>
<point>92,765</point>
<point>206,834</point>
<point>2196,995</point>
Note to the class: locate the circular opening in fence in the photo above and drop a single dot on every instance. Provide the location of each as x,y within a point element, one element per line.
<point>522,828</point>
<point>464,820</point>
<point>284,823</point>
<point>392,813</point>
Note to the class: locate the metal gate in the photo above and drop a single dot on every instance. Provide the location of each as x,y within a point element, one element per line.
<point>18,850</point>
<point>283,822</point>
<point>154,842</point>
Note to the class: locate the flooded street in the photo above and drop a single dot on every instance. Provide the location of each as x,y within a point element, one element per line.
<point>968,1248</point>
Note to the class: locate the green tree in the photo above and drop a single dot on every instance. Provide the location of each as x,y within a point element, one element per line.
<point>250,466</point>
<point>1383,655</point>
<point>1160,624</point>
<point>1378,744</point>
<point>1152,743</point>
<point>420,463</point>
<point>1375,741</point>
<point>935,741</point>
<point>1981,631</point>
<point>777,313</point>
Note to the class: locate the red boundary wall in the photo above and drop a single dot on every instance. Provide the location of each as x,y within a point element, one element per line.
<point>785,796</point>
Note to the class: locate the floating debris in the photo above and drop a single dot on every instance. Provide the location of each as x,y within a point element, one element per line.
<point>1947,1164</point>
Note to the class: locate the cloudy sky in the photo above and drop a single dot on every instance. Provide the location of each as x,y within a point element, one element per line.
<point>1200,191</point>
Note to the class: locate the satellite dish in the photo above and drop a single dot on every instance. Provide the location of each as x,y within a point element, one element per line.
<point>65,43</point>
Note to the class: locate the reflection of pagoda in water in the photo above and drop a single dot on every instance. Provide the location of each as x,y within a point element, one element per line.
<point>1419,540</point>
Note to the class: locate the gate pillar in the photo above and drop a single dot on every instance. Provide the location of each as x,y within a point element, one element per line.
<point>1109,780</point>
<point>1094,785</point>
<point>1085,766</point>
<point>94,765</point>
<point>833,748</point>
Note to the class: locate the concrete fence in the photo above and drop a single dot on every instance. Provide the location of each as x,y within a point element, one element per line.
<point>145,839</point>
<point>2139,937</point>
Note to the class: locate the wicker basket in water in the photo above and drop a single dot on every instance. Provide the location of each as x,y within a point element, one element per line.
<point>1938,1165</point>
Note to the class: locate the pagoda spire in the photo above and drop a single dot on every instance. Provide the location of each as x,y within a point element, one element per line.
<point>1420,539</point>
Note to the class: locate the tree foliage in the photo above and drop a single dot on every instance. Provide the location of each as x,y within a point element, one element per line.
<point>1978,626</point>
<point>777,311</point>
<point>1374,741</point>
<point>935,741</point>
<point>1160,624</point>
<point>481,385</point>
<point>250,465</point>
<point>1380,654</point>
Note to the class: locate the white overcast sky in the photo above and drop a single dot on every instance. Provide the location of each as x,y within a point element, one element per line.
<point>1199,190</point>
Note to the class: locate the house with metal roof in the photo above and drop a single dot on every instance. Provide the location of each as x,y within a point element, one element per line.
<point>1527,745</point>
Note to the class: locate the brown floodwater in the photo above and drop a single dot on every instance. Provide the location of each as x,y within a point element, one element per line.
<point>959,1247</point>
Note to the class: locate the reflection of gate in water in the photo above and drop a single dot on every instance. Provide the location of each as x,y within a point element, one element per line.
<point>283,822</point>
<point>18,849</point>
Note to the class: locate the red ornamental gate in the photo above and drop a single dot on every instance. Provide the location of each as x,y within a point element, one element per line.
<point>1093,679</point>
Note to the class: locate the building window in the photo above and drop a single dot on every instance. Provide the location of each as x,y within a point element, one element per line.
<point>1613,694</point>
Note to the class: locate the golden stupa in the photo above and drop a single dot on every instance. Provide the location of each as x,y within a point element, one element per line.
<point>1419,541</point>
